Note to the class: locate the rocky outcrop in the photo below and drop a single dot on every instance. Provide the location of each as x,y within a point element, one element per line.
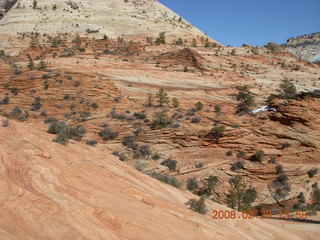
<point>306,47</point>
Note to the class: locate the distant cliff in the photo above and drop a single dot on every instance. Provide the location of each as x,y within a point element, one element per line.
<point>5,6</point>
<point>306,47</point>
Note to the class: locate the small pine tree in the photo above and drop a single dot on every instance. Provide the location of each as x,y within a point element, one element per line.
<point>240,197</point>
<point>217,132</point>
<point>162,97</point>
<point>245,99</point>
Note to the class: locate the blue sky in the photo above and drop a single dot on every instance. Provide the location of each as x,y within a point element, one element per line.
<point>255,22</point>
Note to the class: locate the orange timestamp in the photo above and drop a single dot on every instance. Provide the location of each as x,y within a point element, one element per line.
<point>252,214</point>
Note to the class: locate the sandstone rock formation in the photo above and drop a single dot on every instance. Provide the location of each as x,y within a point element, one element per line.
<point>98,17</point>
<point>5,6</point>
<point>108,84</point>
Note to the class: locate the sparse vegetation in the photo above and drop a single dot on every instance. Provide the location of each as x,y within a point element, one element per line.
<point>34,4</point>
<point>217,132</point>
<point>192,184</point>
<point>281,187</point>
<point>237,166</point>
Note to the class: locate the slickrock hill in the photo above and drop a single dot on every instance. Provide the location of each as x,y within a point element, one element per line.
<point>76,192</point>
<point>306,47</point>
<point>97,17</point>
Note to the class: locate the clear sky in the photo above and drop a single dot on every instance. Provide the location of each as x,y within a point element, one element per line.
<point>255,22</point>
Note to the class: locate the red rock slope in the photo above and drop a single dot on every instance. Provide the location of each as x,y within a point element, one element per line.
<point>50,191</point>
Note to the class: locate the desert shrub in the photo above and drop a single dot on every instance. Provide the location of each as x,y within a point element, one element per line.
<point>185,69</point>
<point>171,164</point>
<point>196,120</point>
<point>61,138</point>
<point>301,198</point>
<point>5,100</point>
<point>77,83</point>
<point>16,112</point>
<point>77,132</point>
<point>258,156</point>
<point>50,120</point>
<point>107,134</point>
<point>287,89</point>
<point>14,91</point>
<point>161,120</point>
<point>281,187</point>
<point>312,172</point>
<point>245,99</point>
<point>92,143</point>
<point>237,166</point>
<point>192,184</point>
<point>143,151</point>
<point>199,165</point>
<point>198,206</point>
<point>198,106</point>
<point>139,115</point>
<point>55,127</point>
<point>34,4</point>
<point>66,97</point>
<point>36,105</point>
<point>128,141</point>
<point>217,132</point>
<point>94,105</point>
<point>137,132</point>
<point>286,145</point>
<point>161,39</point>
<point>229,153</point>
<point>166,179</point>
<point>155,156</point>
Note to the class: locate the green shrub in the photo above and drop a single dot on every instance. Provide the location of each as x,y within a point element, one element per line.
<point>312,172</point>
<point>287,89</point>
<point>199,106</point>
<point>161,39</point>
<point>217,132</point>
<point>198,206</point>
<point>175,102</point>
<point>237,166</point>
<point>107,134</point>
<point>171,164</point>
<point>192,184</point>
<point>92,143</point>
<point>166,179</point>
<point>161,120</point>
